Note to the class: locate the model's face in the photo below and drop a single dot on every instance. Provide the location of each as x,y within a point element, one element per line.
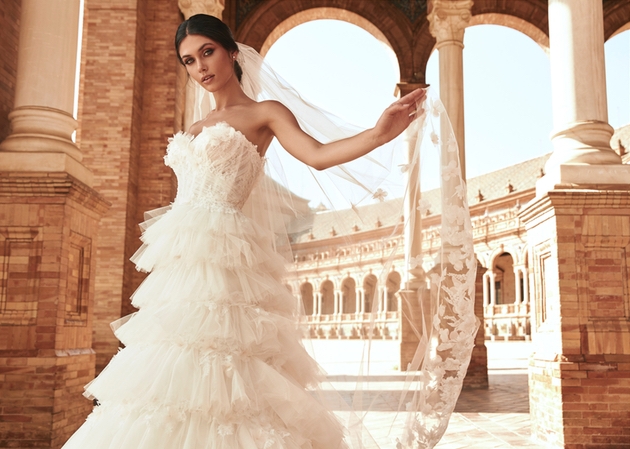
<point>206,61</point>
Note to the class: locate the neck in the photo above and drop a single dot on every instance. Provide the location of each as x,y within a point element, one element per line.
<point>229,95</point>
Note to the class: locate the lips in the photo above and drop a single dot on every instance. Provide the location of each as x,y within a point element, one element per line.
<point>206,79</point>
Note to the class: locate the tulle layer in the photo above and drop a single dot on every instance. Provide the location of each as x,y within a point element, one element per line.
<point>199,234</point>
<point>126,427</point>
<point>213,358</point>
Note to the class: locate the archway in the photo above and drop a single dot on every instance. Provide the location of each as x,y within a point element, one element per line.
<point>327,290</point>
<point>306,292</point>
<point>392,285</point>
<point>369,292</point>
<point>348,296</point>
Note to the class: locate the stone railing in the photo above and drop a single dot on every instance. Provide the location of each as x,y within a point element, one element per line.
<point>385,326</point>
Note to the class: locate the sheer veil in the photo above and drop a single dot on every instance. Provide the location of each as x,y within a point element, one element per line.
<point>437,299</point>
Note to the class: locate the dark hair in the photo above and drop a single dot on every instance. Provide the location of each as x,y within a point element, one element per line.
<point>212,28</point>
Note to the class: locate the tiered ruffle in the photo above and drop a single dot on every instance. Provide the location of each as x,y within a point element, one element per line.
<point>213,357</point>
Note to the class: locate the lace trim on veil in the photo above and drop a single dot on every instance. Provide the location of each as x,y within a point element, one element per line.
<point>439,301</point>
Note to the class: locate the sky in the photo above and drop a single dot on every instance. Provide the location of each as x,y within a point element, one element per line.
<point>507,87</point>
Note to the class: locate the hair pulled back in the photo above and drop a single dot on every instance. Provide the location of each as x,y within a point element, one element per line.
<point>212,28</point>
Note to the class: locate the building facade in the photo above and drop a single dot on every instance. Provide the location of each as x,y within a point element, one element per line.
<point>555,249</point>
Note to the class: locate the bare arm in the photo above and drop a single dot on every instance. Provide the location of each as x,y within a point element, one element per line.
<point>392,122</point>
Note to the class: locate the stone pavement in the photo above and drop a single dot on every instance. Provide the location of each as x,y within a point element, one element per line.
<point>484,419</point>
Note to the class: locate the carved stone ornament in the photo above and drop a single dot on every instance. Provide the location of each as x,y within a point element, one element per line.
<point>449,18</point>
<point>191,7</point>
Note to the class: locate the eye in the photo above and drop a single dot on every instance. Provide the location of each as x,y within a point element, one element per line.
<point>208,51</point>
<point>188,61</point>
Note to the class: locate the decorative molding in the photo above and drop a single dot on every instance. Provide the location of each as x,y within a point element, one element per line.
<point>78,280</point>
<point>20,258</point>
<point>448,19</point>
<point>191,7</point>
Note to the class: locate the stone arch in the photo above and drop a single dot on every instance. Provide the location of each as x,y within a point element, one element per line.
<point>348,295</point>
<point>378,18</point>
<point>392,286</point>
<point>505,281</point>
<point>370,292</point>
<point>327,290</point>
<point>306,293</point>
<point>527,16</point>
<point>616,18</point>
<point>516,23</point>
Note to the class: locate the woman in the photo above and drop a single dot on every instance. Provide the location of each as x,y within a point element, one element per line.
<point>213,358</point>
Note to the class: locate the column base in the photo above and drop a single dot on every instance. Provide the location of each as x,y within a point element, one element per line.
<point>42,130</point>
<point>20,161</point>
<point>597,177</point>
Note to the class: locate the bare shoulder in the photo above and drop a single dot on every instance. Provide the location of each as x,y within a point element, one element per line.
<point>273,110</point>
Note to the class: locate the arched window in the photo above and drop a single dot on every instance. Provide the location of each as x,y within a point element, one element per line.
<point>306,291</point>
<point>328,297</point>
<point>504,281</point>
<point>369,292</point>
<point>348,296</point>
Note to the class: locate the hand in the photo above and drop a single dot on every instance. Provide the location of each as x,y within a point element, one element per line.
<point>397,117</point>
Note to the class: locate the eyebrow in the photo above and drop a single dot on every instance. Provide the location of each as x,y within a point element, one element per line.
<point>200,48</point>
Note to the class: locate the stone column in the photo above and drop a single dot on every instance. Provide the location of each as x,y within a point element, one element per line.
<point>582,154</point>
<point>190,103</point>
<point>49,224</point>
<point>525,274</point>
<point>414,278</point>
<point>578,229</point>
<point>319,303</point>
<point>41,121</point>
<point>517,285</point>
<point>486,289</point>
<point>448,20</point>
<point>337,307</point>
<point>493,290</point>
<point>358,300</point>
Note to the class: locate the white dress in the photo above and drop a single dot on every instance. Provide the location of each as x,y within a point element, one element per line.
<point>213,359</point>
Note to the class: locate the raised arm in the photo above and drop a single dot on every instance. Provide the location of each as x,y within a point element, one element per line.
<point>392,122</point>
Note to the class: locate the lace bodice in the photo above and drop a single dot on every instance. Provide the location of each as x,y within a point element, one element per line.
<point>216,169</point>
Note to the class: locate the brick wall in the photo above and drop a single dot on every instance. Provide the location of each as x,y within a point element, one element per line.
<point>111,105</point>
<point>9,36</point>
<point>47,234</point>
<point>580,371</point>
<point>155,180</point>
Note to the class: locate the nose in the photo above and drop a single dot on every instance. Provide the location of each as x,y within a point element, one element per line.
<point>201,67</point>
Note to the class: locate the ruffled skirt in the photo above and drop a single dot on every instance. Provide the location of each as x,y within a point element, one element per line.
<point>213,358</point>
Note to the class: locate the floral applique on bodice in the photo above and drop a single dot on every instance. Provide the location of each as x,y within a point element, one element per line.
<point>217,169</point>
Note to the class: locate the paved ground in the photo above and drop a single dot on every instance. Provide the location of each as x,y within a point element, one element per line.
<point>484,419</point>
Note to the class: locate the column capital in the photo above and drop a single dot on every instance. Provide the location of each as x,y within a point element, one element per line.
<point>448,19</point>
<point>191,7</point>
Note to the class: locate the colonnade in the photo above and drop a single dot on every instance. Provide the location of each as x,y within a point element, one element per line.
<point>384,302</point>
<point>521,286</point>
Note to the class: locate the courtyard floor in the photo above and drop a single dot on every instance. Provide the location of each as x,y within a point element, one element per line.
<point>484,419</point>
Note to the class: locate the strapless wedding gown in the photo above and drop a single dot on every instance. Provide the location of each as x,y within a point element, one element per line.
<point>213,358</point>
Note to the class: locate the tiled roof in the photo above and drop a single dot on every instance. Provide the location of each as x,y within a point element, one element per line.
<point>493,185</point>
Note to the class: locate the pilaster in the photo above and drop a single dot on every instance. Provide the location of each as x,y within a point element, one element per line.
<point>580,370</point>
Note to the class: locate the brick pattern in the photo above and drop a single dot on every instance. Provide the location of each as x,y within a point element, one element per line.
<point>580,372</point>
<point>109,117</point>
<point>9,36</point>
<point>155,180</point>
<point>46,360</point>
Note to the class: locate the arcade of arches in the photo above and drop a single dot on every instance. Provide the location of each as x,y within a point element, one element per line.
<point>553,250</point>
